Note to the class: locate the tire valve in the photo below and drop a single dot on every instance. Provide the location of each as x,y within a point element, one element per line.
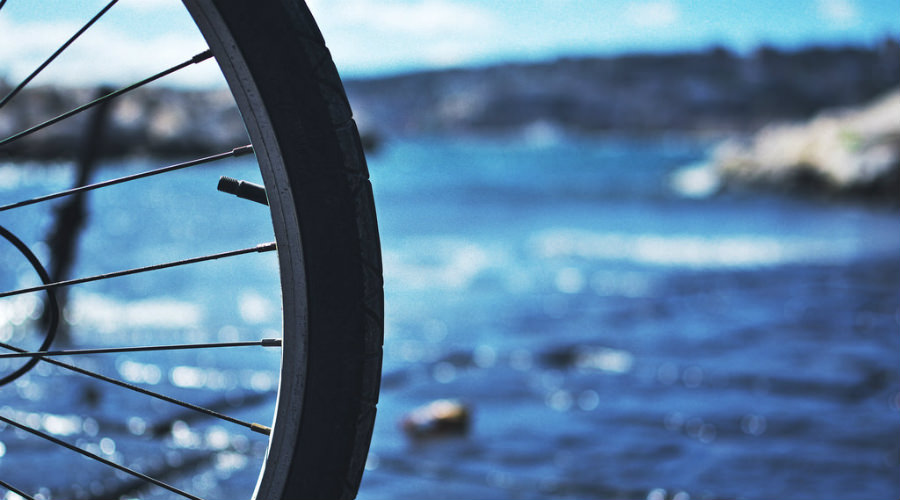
<point>243,189</point>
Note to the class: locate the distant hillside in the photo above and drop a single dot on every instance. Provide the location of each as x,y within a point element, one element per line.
<point>712,91</point>
<point>148,121</point>
<point>716,90</point>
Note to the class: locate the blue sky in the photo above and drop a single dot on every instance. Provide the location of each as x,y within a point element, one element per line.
<point>445,32</point>
<point>371,37</point>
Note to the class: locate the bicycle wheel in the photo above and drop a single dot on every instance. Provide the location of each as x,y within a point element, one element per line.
<point>300,124</point>
<point>316,182</point>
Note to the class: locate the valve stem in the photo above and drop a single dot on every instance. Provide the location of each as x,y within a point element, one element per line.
<point>243,189</point>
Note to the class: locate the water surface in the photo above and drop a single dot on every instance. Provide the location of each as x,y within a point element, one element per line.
<point>612,337</point>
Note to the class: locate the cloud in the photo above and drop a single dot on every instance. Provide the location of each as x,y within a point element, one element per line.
<point>104,54</point>
<point>839,13</point>
<point>652,13</point>
<point>420,18</point>
<point>375,34</point>
<point>429,18</point>
<point>364,35</point>
<point>145,6</point>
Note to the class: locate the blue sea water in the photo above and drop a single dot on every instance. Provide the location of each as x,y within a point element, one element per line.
<point>613,335</point>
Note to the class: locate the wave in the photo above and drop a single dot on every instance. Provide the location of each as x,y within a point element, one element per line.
<point>103,314</point>
<point>436,263</point>
<point>704,252</point>
<point>450,263</point>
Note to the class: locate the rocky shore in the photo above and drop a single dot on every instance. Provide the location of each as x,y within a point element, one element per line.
<point>848,153</point>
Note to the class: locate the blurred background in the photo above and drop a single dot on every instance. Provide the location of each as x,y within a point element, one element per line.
<point>632,249</point>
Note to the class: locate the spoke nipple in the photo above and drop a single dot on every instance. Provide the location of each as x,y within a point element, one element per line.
<point>206,54</point>
<point>271,342</point>
<point>265,247</point>
<point>262,429</point>
<point>243,150</point>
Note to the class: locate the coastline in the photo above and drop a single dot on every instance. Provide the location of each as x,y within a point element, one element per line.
<point>799,121</point>
<point>851,153</point>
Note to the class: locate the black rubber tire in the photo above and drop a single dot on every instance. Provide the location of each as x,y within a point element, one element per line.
<point>300,123</point>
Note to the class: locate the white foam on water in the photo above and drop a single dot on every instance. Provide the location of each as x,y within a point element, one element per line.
<point>256,309</point>
<point>694,251</point>
<point>696,181</point>
<point>436,263</point>
<point>103,314</point>
<point>27,174</point>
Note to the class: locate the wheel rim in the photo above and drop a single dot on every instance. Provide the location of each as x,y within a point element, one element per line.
<point>284,220</point>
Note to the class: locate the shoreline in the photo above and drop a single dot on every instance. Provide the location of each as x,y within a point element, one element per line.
<point>692,93</point>
<point>848,153</point>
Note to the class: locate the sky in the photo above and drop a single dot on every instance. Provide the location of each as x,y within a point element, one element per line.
<point>378,37</point>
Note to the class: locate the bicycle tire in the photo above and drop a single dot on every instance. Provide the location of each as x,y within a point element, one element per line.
<point>306,141</point>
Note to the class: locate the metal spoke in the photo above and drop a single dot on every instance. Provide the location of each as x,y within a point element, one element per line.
<point>112,95</point>
<point>55,54</point>
<point>259,428</point>
<point>264,247</point>
<point>143,348</point>
<point>96,457</point>
<point>3,483</point>
<point>240,151</point>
